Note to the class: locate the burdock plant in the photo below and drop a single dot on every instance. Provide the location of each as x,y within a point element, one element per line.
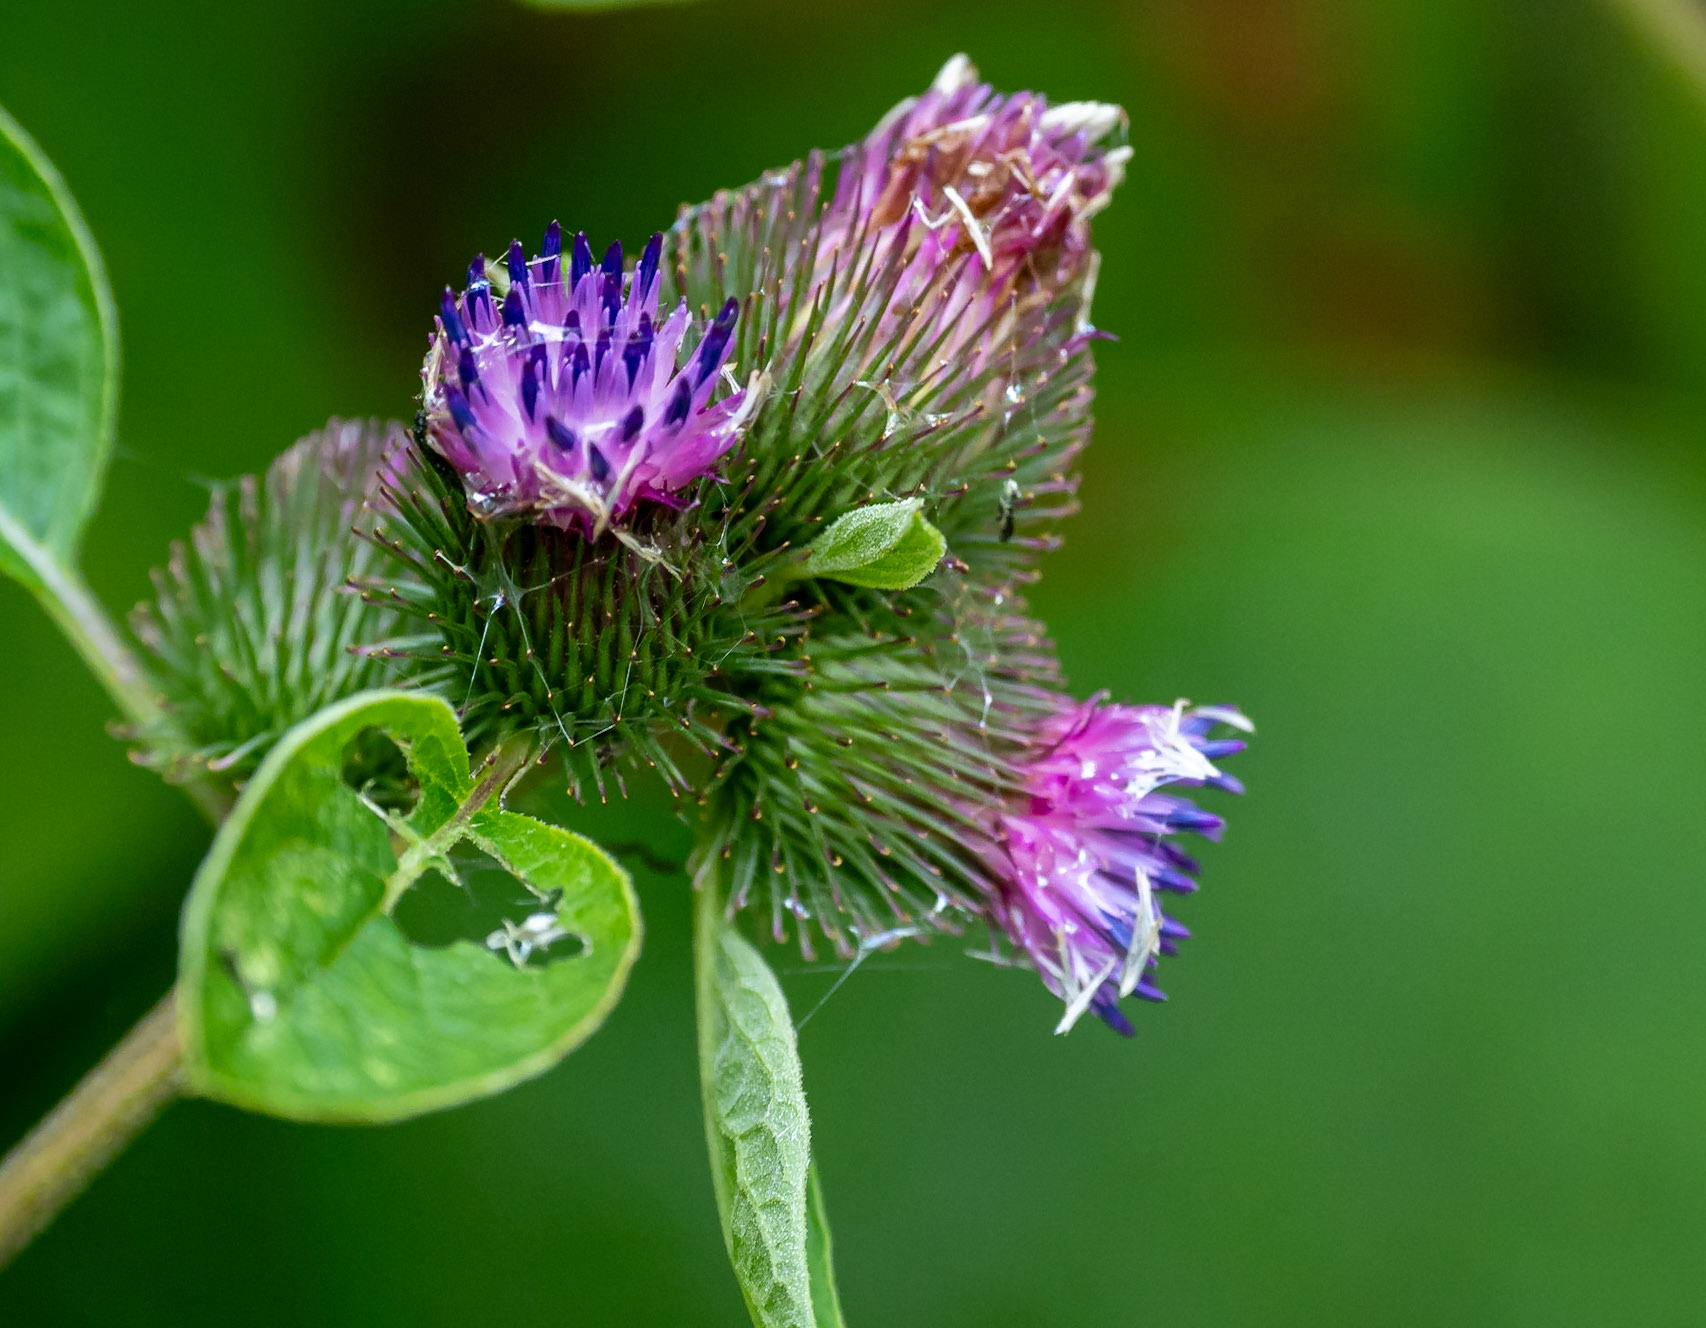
<point>752,513</point>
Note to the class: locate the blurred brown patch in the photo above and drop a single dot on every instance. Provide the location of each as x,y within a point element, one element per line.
<point>1333,243</point>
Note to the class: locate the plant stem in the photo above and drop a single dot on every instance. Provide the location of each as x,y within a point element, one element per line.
<point>68,601</point>
<point>83,1133</point>
<point>62,592</point>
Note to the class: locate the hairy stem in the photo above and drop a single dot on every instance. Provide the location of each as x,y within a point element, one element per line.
<point>111,1105</point>
<point>62,592</point>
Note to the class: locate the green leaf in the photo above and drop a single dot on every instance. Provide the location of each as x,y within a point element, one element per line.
<point>58,365</point>
<point>887,546</point>
<point>759,1131</point>
<point>301,996</point>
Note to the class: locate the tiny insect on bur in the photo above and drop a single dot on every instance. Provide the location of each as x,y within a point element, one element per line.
<point>1010,495</point>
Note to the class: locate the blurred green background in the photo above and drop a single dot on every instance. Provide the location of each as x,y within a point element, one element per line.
<point>1400,449</point>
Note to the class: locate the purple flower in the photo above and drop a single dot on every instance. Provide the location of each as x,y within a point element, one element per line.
<point>954,226</point>
<point>1078,870</point>
<point>966,169</point>
<point>558,392</point>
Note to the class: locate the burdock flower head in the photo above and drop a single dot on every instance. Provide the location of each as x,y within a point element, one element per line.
<point>559,394</point>
<point>1082,861</point>
<point>828,647</point>
<point>1010,178</point>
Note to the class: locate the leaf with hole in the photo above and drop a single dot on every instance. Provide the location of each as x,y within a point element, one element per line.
<point>887,546</point>
<point>301,995</point>
<point>759,1132</point>
<point>58,369</point>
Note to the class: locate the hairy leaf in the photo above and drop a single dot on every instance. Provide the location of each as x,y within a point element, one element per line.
<point>58,365</point>
<point>886,546</point>
<point>301,997</point>
<point>758,1130</point>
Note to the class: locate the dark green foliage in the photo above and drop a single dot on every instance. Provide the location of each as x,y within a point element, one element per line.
<point>251,627</point>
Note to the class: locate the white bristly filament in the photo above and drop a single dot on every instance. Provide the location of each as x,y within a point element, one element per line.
<point>973,227</point>
<point>1145,935</point>
<point>1078,998</point>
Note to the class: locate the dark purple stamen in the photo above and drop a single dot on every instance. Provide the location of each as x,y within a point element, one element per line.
<point>639,346</point>
<point>515,309</point>
<point>580,362</point>
<point>680,402</point>
<point>601,347</point>
<point>549,252</point>
<point>612,264</point>
<point>479,287</point>
<point>647,272</point>
<point>517,263</point>
<point>559,433</point>
<point>530,384</point>
<point>596,465</point>
<point>633,423</point>
<point>465,369</point>
<point>711,349</point>
<point>1193,819</point>
<point>1110,1014</point>
<point>612,295</point>
<point>453,327</point>
<point>580,259</point>
<point>459,409</point>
